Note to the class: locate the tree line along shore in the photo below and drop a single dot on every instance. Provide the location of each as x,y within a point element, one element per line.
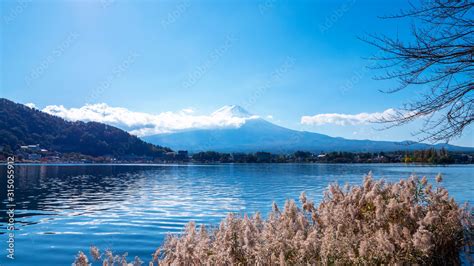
<point>430,156</point>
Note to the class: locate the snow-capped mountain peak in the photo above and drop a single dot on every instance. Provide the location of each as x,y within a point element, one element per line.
<point>232,111</point>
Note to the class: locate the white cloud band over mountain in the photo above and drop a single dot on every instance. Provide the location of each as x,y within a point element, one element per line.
<point>230,116</point>
<point>347,119</point>
<point>145,124</point>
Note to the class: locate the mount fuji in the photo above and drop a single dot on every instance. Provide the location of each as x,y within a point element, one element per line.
<point>257,134</point>
<point>233,111</point>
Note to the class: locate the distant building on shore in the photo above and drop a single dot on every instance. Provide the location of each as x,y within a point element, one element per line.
<point>35,147</point>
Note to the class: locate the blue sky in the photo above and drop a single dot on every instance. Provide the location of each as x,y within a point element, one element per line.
<point>287,59</point>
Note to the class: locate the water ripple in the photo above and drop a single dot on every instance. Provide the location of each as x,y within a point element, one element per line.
<point>63,209</point>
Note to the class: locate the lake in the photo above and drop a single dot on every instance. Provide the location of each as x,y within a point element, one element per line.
<point>61,209</point>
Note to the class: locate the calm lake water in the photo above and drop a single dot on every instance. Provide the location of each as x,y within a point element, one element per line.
<point>62,209</point>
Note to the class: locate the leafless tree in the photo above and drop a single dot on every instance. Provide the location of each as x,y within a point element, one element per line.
<point>438,61</point>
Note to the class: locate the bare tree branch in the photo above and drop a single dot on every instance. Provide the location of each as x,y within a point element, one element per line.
<point>439,61</point>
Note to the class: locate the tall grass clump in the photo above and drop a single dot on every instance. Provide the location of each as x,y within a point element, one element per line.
<point>409,222</point>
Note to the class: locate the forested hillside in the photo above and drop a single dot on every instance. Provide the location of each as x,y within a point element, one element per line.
<point>21,125</point>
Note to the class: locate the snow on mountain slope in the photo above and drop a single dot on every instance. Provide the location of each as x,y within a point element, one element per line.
<point>257,134</point>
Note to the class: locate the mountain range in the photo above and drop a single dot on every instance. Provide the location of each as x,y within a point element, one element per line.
<point>258,134</point>
<point>22,125</point>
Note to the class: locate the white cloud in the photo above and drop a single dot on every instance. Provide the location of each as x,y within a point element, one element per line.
<point>347,119</point>
<point>145,124</point>
<point>188,110</point>
<point>31,105</point>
